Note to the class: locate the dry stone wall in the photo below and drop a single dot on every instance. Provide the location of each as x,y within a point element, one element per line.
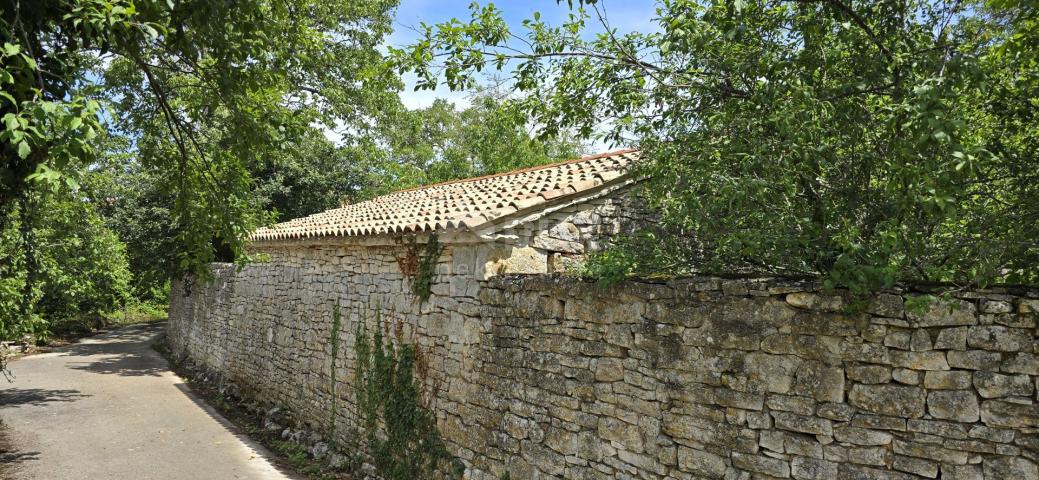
<point>546,376</point>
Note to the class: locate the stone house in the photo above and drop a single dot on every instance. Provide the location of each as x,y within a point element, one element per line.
<point>549,376</point>
<point>535,220</point>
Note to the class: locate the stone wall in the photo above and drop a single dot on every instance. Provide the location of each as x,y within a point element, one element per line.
<point>549,377</point>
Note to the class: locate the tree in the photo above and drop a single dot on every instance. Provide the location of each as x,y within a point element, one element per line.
<point>78,266</point>
<point>201,89</point>
<point>859,141</point>
<point>440,143</point>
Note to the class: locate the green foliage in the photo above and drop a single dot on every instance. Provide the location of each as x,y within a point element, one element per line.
<point>440,143</point>
<point>864,142</point>
<point>400,430</point>
<point>426,268</point>
<point>204,89</point>
<point>78,266</point>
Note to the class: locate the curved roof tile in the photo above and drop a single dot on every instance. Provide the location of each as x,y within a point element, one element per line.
<point>458,204</point>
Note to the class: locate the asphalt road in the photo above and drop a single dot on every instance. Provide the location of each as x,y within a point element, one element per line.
<point>109,408</point>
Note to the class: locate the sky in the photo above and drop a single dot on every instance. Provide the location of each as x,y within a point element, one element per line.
<point>625,15</point>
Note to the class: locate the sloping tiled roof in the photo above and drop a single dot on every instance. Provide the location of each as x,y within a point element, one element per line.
<point>459,204</point>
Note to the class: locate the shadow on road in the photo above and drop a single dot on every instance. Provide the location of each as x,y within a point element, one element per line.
<point>12,397</point>
<point>10,456</point>
<point>126,352</point>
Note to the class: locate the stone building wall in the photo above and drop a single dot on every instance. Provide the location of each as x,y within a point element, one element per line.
<point>550,377</point>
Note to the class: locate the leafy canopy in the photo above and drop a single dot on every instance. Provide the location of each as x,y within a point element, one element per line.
<point>202,88</point>
<point>198,91</point>
<point>868,142</point>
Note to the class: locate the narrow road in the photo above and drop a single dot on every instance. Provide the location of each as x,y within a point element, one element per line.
<point>109,408</point>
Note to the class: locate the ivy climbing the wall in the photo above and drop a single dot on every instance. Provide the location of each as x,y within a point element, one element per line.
<point>422,286</point>
<point>337,322</point>
<point>399,427</point>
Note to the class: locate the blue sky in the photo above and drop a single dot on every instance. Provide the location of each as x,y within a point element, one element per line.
<point>625,15</point>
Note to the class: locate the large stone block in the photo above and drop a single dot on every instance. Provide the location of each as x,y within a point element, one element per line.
<point>995,385</point>
<point>920,360</point>
<point>820,381</point>
<point>1016,468</point>
<point>942,313</point>
<point>999,338</point>
<point>806,468</point>
<point>802,423</point>
<point>702,463</point>
<point>896,400</point>
<point>957,405</point>
<point>760,464</point>
<point>861,436</point>
<point>999,413</point>
<point>954,380</point>
<point>975,360</point>
<point>815,301</point>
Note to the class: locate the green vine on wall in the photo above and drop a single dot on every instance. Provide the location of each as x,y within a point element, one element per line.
<point>337,322</point>
<point>421,267</point>
<point>400,430</point>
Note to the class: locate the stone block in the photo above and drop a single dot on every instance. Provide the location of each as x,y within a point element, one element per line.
<point>906,376</point>
<point>771,373</point>
<point>931,452</point>
<point>938,428</point>
<point>975,360</point>
<point>952,380</point>
<point>916,466</point>
<point>608,369</point>
<point>840,412</point>
<point>998,435</point>
<point>919,360</point>
<point>887,305</point>
<point>771,440</point>
<point>861,436</point>
<point>774,467</point>
<point>961,472</point>
<point>1028,305</point>
<point>1021,362</point>
<point>791,403</point>
<point>802,423</point>
<point>879,422</point>
<point>803,445</point>
<point>998,338</point>
<point>941,313</point>
<point>957,405</point>
<point>806,468</point>
<point>871,374</point>
<point>1016,468</point>
<point>732,398</point>
<point>951,339</point>
<point>921,341</point>
<point>819,381</point>
<point>699,462</point>
<point>996,306</point>
<point>815,301</point>
<point>999,413</point>
<point>895,400</point>
<point>900,339</point>
<point>876,456</point>
<point>995,385</point>
<point>811,347</point>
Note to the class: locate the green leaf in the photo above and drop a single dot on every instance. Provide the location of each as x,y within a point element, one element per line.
<point>24,149</point>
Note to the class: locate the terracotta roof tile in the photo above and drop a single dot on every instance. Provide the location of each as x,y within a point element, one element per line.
<point>459,204</point>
